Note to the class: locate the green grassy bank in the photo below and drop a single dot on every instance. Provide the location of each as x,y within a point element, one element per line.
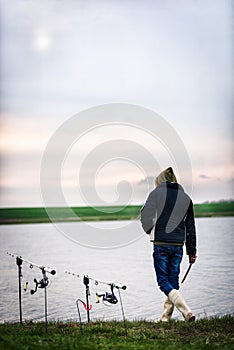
<point>39,215</point>
<point>216,333</point>
<point>214,209</point>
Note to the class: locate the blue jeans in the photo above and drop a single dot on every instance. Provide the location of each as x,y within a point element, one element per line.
<point>167,261</point>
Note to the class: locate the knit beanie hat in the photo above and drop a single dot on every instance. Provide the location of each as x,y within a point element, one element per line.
<point>165,175</point>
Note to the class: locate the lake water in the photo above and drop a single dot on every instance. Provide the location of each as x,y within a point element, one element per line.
<point>208,288</point>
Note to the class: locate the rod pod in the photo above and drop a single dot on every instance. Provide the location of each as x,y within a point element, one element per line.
<point>43,283</point>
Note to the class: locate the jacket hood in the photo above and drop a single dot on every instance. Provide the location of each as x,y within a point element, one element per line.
<point>165,175</point>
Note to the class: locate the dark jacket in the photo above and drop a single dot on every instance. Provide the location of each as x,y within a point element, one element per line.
<point>168,216</point>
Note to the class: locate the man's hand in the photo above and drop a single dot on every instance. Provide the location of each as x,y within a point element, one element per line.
<point>192,258</point>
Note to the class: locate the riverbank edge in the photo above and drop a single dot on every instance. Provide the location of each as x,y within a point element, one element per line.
<point>214,333</point>
<point>32,215</point>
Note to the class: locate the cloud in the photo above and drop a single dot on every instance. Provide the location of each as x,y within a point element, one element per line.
<point>148,181</point>
<point>205,177</point>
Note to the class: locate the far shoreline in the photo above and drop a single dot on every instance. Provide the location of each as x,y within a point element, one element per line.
<point>36,215</point>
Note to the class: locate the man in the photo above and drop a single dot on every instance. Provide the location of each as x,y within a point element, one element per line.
<point>169,219</point>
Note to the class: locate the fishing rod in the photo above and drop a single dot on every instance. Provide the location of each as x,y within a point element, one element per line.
<point>96,281</point>
<point>109,297</point>
<point>186,273</point>
<point>32,265</point>
<point>42,283</point>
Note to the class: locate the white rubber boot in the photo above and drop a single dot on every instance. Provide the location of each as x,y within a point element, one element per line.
<point>176,298</point>
<point>168,310</point>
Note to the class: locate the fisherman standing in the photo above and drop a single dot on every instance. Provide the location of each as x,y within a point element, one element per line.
<point>168,218</point>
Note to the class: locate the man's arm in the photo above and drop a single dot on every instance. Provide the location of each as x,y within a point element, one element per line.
<point>148,213</point>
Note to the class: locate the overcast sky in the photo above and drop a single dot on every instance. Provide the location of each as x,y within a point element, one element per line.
<point>59,58</point>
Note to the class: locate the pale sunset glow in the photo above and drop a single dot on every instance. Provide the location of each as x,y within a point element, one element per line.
<point>60,58</point>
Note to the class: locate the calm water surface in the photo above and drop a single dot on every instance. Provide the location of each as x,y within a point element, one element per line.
<point>208,288</point>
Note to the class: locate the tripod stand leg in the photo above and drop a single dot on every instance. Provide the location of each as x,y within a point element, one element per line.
<point>87,302</point>
<point>122,309</point>
<point>19,264</point>
<point>86,283</point>
<point>46,321</point>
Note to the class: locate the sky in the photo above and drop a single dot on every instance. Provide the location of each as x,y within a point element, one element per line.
<point>60,58</point>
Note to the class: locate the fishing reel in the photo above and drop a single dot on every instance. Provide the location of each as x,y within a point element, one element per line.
<point>110,297</point>
<point>43,283</point>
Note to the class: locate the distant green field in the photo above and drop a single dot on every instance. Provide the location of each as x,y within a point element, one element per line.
<point>214,209</point>
<point>39,215</point>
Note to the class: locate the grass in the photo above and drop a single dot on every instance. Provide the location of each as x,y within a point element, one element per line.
<point>214,209</point>
<point>39,215</point>
<point>215,333</point>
